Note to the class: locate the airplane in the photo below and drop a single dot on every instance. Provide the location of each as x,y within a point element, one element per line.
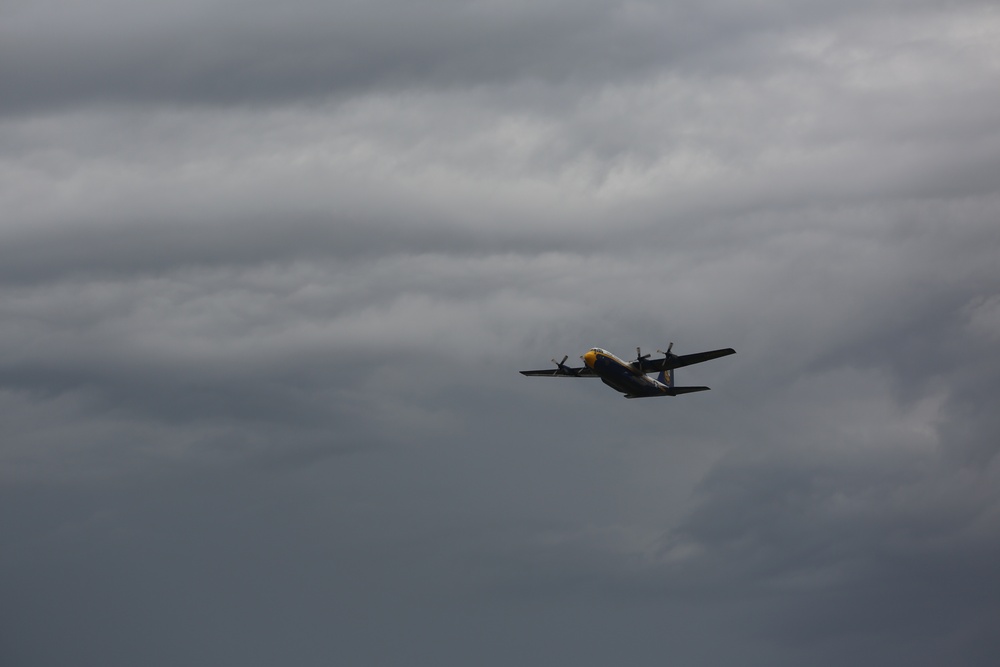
<point>630,377</point>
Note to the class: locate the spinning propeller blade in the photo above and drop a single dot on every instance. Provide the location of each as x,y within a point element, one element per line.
<point>639,358</point>
<point>562,365</point>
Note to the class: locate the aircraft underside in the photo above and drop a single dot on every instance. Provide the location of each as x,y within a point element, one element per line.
<point>623,380</point>
<point>635,390</point>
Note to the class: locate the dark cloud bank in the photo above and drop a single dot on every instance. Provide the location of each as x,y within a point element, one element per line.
<point>267,275</point>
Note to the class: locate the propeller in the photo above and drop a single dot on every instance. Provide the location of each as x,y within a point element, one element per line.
<point>562,364</point>
<point>667,353</point>
<point>639,358</point>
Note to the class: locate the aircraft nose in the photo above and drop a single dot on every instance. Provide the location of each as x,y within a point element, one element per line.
<point>589,358</point>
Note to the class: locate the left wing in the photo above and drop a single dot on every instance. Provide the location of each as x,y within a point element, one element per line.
<point>672,361</point>
<point>562,371</point>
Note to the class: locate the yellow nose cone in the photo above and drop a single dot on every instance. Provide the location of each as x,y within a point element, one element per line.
<point>590,358</point>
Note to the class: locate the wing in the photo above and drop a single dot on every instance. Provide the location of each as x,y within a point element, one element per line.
<point>562,372</point>
<point>680,361</point>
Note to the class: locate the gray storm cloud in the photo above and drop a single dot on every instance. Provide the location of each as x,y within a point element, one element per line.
<point>267,275</point>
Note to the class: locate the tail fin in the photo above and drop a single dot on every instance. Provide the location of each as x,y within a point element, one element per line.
<point>667,377</point>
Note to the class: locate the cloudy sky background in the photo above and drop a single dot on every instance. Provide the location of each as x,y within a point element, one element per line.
<point>267,273</point>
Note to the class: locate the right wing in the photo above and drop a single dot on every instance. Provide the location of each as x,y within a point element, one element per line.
<point>675,361</point>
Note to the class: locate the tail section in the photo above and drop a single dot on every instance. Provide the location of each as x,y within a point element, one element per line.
<point>666,377</point>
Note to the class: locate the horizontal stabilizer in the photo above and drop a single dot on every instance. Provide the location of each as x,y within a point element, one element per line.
<point>676,391</point>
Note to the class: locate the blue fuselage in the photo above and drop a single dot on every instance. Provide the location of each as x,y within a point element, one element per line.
<point>623,376</point>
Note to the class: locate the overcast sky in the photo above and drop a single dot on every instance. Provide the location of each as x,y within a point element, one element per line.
<point>268,272</point>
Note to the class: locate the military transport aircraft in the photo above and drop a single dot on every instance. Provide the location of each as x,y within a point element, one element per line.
<point>630,377</point>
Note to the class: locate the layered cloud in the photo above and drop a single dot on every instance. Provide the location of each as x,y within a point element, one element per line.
<point>267,276</point>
